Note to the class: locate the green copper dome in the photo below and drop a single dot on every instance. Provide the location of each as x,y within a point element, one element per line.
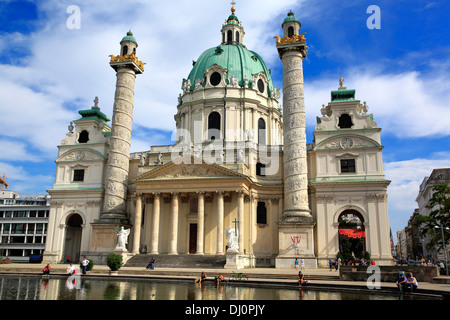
<point>239,61</point>
<point>290,17</point>
<point>233,19</point>
<point>129,37</point>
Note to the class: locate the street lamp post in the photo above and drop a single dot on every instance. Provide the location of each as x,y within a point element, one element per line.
<point>443,245</point>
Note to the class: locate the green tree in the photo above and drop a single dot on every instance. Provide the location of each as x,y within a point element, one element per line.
<point>439,204</point>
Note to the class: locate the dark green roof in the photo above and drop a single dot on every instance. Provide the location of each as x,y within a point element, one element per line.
<point>290,17</point>
<point>238,60</point>
<point>93,114</point>
<point>342,95</point>
<point>233,19</point>
<point>129,37</point>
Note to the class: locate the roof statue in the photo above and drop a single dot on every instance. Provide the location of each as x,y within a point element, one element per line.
<point>3,182</point>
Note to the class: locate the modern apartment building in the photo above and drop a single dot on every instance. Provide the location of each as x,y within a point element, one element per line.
<point>23,224</point>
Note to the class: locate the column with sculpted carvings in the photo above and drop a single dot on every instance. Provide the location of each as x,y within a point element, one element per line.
<point>296,206</point>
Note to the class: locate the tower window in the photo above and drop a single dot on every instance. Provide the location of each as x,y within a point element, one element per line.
<point>78,175</point>
<point>214,126</point>
<point>345,121</point>
<point>215,78</point>
<point>290,31</point>
<point>237,37</point>
<point>260,169</point>
<point>348,165</point>
<point>84,137</point>
<point>124,50</point>
<point>261,213</point>
<point>229,37</point>
<point>261,131</point>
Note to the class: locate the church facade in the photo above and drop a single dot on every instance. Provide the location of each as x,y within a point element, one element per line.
<point>240,163</point>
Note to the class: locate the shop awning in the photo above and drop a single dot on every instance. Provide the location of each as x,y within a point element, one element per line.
<point>353,233</point>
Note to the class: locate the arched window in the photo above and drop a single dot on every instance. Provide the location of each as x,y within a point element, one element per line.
<point>84,137</point>
<point>261,131</point>
<point>124,50</point>
<point>290,31</point>
<point>229,37</point>
<point>345,121</point>
<point>261,213</point>
<point>237,37</point>
<point>214,126</point>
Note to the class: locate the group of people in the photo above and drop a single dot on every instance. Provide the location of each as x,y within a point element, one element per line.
<point>302,264</point>
<point>71,269</point>
<point>334,264</point>
<point>405,283</point>
<point>217,280</point>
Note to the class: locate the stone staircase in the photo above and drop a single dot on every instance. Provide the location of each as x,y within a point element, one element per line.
<point>178,261</point>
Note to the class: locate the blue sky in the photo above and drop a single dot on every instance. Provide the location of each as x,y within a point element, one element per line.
<point>49,71</point>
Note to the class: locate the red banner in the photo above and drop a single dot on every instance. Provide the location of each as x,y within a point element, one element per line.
<point>353,233</point>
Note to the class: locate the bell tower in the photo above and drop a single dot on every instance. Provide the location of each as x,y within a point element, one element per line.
<point>296,221</point>
<point>232,30</point>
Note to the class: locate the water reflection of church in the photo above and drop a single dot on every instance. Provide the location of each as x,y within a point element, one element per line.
<point>239,161</point>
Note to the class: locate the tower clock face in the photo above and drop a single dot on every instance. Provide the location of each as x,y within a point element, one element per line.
<point>346,143</point>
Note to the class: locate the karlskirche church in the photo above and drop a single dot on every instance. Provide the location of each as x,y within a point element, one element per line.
<point>240,187</point>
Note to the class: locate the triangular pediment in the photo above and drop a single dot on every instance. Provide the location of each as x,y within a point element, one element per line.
<point>188,168</point>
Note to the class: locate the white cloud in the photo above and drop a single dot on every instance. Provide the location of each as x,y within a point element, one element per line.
<point>406,104</point>
<point>406,177</point>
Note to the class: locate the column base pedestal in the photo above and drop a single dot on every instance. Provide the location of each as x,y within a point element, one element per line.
<point>296,240</point>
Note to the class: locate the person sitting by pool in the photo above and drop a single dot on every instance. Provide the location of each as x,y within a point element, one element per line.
<point>219,278</point>
<point>301,279</point>
<point>71,270</point>
<point>202,278</point>
<point>411,283</point>
<point>401,281</point>
<point>46,270</point>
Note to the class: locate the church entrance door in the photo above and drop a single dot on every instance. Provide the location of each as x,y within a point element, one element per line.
<point>193,238</point>
<point>352,235</point>
<point>72,242</point>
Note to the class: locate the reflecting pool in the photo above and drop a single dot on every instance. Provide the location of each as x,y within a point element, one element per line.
<point>61,288</point>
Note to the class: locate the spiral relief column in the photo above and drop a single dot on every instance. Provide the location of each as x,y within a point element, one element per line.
<point>116,180</point>
<point>292,51</point>
<point>296,222</point>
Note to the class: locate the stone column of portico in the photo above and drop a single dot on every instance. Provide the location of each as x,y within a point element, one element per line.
<point>241,220</point>
<point>200,222</point>
<point>155,223</point>
<point>173,249</point>
<point>137,224</point>
<point>220,222</point>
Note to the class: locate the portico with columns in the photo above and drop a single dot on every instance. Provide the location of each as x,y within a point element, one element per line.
<point>179,213</point>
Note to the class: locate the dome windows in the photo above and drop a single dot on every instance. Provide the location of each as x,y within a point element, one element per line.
<point>215,79</point>
<point>261,86</point>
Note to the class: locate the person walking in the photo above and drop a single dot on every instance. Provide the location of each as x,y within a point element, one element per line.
<point>296,264</point>
<point>302,264</point>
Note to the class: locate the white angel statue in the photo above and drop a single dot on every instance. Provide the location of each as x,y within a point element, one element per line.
<point>122,238</point>
<point>232,236</point>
